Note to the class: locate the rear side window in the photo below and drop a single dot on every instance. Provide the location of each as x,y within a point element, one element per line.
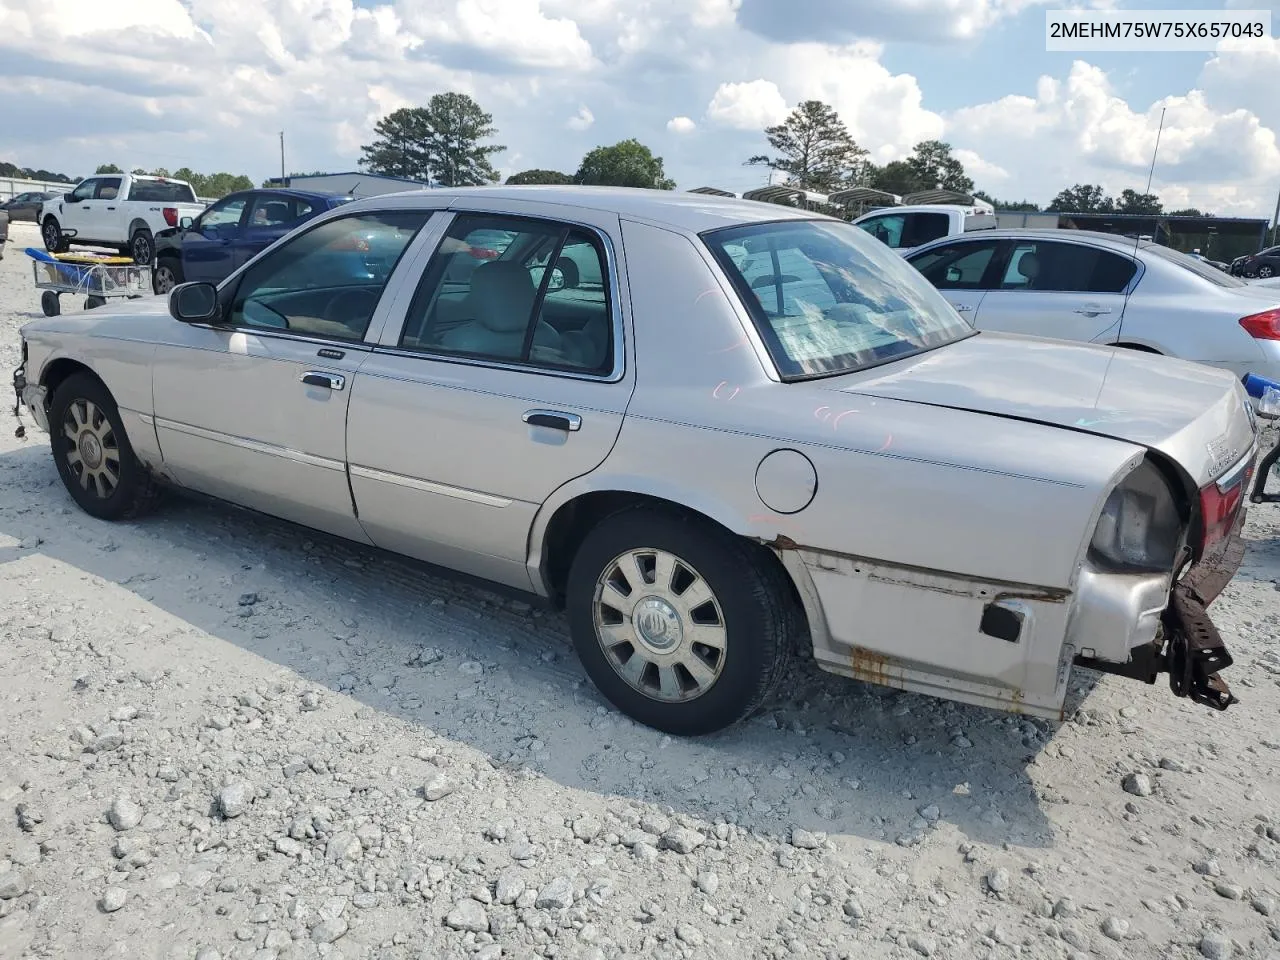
<point>1066,268</point>
<point>922,227</point>
<point>956,266</point>
<point>162,191</point>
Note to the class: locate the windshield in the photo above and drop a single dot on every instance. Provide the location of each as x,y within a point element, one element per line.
<point>1201,268</point>
<point>828,299</point>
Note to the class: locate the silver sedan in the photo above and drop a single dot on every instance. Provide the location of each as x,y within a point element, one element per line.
<point>1101,288</point>
<point>717,432</point>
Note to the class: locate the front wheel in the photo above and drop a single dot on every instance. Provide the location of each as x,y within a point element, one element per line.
<point>682,626</point>
<point>167,276</point>
<point>92,451</point>
<point>142,246</point>
<point>51,234</point>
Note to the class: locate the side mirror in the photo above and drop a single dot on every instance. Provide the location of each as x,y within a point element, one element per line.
<point>185,223</point>
<point>195,302</point>
<point>69,197</point>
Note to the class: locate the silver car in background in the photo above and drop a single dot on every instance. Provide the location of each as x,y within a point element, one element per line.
<point>715,431</point>
<point>1101,288</point>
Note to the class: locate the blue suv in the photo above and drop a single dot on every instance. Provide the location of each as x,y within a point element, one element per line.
<point>231,232</point>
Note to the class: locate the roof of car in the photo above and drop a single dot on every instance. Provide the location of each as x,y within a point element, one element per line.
<point>1113,240</point>
<point>694,212</point>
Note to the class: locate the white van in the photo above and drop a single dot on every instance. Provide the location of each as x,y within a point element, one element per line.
<point>905,228</point>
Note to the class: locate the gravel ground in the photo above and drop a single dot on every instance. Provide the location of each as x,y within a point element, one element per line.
<point>224,737</point>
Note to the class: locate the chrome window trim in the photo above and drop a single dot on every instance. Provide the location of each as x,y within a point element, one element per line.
<point>389,341</point>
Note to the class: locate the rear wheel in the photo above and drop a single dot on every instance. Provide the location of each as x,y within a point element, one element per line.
<point>1266,271</point>
<point>92,451</point>
<point>684,627</point>
<point>141,246</point>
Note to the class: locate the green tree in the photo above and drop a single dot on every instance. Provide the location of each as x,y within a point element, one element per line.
<point>628,163</point>
<point>399,146</point>
<point>199,183</point>
<point>896,176</point>
<point>108,168</point>
<point>1083,198</point>
<point>1131,201</point>
<point>1188,212</point>
<point>138,172</point>
<point>816,151</point>
<point>441,142</point>
<point>1014,206</point>
<point>539,176</point>
<point>933,166</point>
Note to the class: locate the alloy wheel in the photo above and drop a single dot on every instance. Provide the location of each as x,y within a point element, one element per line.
<point>165,280</point>
<point>660,625</point>
<point>93,454</point>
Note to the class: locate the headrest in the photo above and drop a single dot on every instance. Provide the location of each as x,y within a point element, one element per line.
<point>501,296</point>
<point>1029,266</point>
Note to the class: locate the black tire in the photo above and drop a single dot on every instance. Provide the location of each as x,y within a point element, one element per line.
<point>91,303</point>
<point>142,246</point>
<point>50,304</point>
<point>166,275</point>
<point>51,234</point>
<point>761,618</point>
<point>82,398</point>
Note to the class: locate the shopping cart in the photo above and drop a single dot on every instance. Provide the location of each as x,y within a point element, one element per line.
<point>93,276</point>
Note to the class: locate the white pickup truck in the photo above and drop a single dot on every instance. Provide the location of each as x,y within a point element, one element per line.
<point>905,228</point>
<point>117,210</point>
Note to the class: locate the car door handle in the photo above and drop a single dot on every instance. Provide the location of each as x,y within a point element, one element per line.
<point>1093,311</point>
<point>331,381</point>
<point>962,308</point>
<point>554,419</point>
<point>110,208</point>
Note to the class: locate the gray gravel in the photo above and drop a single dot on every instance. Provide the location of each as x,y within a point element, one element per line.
<point>230,739</point>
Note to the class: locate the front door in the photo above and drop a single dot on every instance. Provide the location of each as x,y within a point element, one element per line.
<point>962,270</point>
<point>255,410</point>
<point>1058,289</point>
<point>207,248</point>
<point>77,210</point>
<point>505,380</point>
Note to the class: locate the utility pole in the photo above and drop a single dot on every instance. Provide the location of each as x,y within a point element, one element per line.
<point>282,178</point>
<point>1275,223</point>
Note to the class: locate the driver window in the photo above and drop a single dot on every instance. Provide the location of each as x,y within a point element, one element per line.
<point>222,213</point>
<point>85,190</point>
<point>327,281</point>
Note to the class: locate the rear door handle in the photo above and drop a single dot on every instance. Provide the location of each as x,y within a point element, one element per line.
<point>962,308</point>
<point>1093,310</point>
<point>110,208</point>
<point>555,419</point>
<point>331,381</point>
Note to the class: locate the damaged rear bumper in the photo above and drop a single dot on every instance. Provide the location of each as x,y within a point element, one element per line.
<point>1189,647</point>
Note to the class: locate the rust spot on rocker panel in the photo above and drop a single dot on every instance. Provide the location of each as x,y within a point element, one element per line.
<point>872,667</point>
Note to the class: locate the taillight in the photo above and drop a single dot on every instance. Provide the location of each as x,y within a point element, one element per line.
<point>1219,505</point>
<point>170,216</point>
<point>1263,326</point>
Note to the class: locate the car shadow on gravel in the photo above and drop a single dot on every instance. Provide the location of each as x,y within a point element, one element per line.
<point>493,673</point>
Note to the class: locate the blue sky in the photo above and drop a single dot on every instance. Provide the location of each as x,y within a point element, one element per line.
<point>209,83</point>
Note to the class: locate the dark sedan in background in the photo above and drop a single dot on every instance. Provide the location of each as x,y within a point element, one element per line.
<point>1264,263</point>
<point>231,232</point>
<point>26,206</point>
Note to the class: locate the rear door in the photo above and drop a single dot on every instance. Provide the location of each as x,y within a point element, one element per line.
<point>1061,289</point>
<point>208,251</point>
<point>962,270</point>
<point>105,220</point>
<point>505,380</point>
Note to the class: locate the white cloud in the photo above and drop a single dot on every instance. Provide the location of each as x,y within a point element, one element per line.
<point>517,31</point>
<point>681,125</point>
<point>752,105</point>
<point>1080,131</point>
<point>581,120</point>
<point>981,169</point>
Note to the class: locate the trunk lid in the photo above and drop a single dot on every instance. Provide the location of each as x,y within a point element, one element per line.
<point>1197,415</point>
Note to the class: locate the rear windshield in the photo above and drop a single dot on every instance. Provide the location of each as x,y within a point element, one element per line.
<point>156,191</point>
<point>829,299</point>
<point>1204,270</point>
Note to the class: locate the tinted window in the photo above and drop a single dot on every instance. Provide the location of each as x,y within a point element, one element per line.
<point>827,299</point>
<point>922,227</point>
<point>270,210</point>
<point>327,281</point>
<point>1206,271</point>
<point>161,191</point>
<point>956,266</point>
<point>1066,267</point>
<point>515,291</point>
